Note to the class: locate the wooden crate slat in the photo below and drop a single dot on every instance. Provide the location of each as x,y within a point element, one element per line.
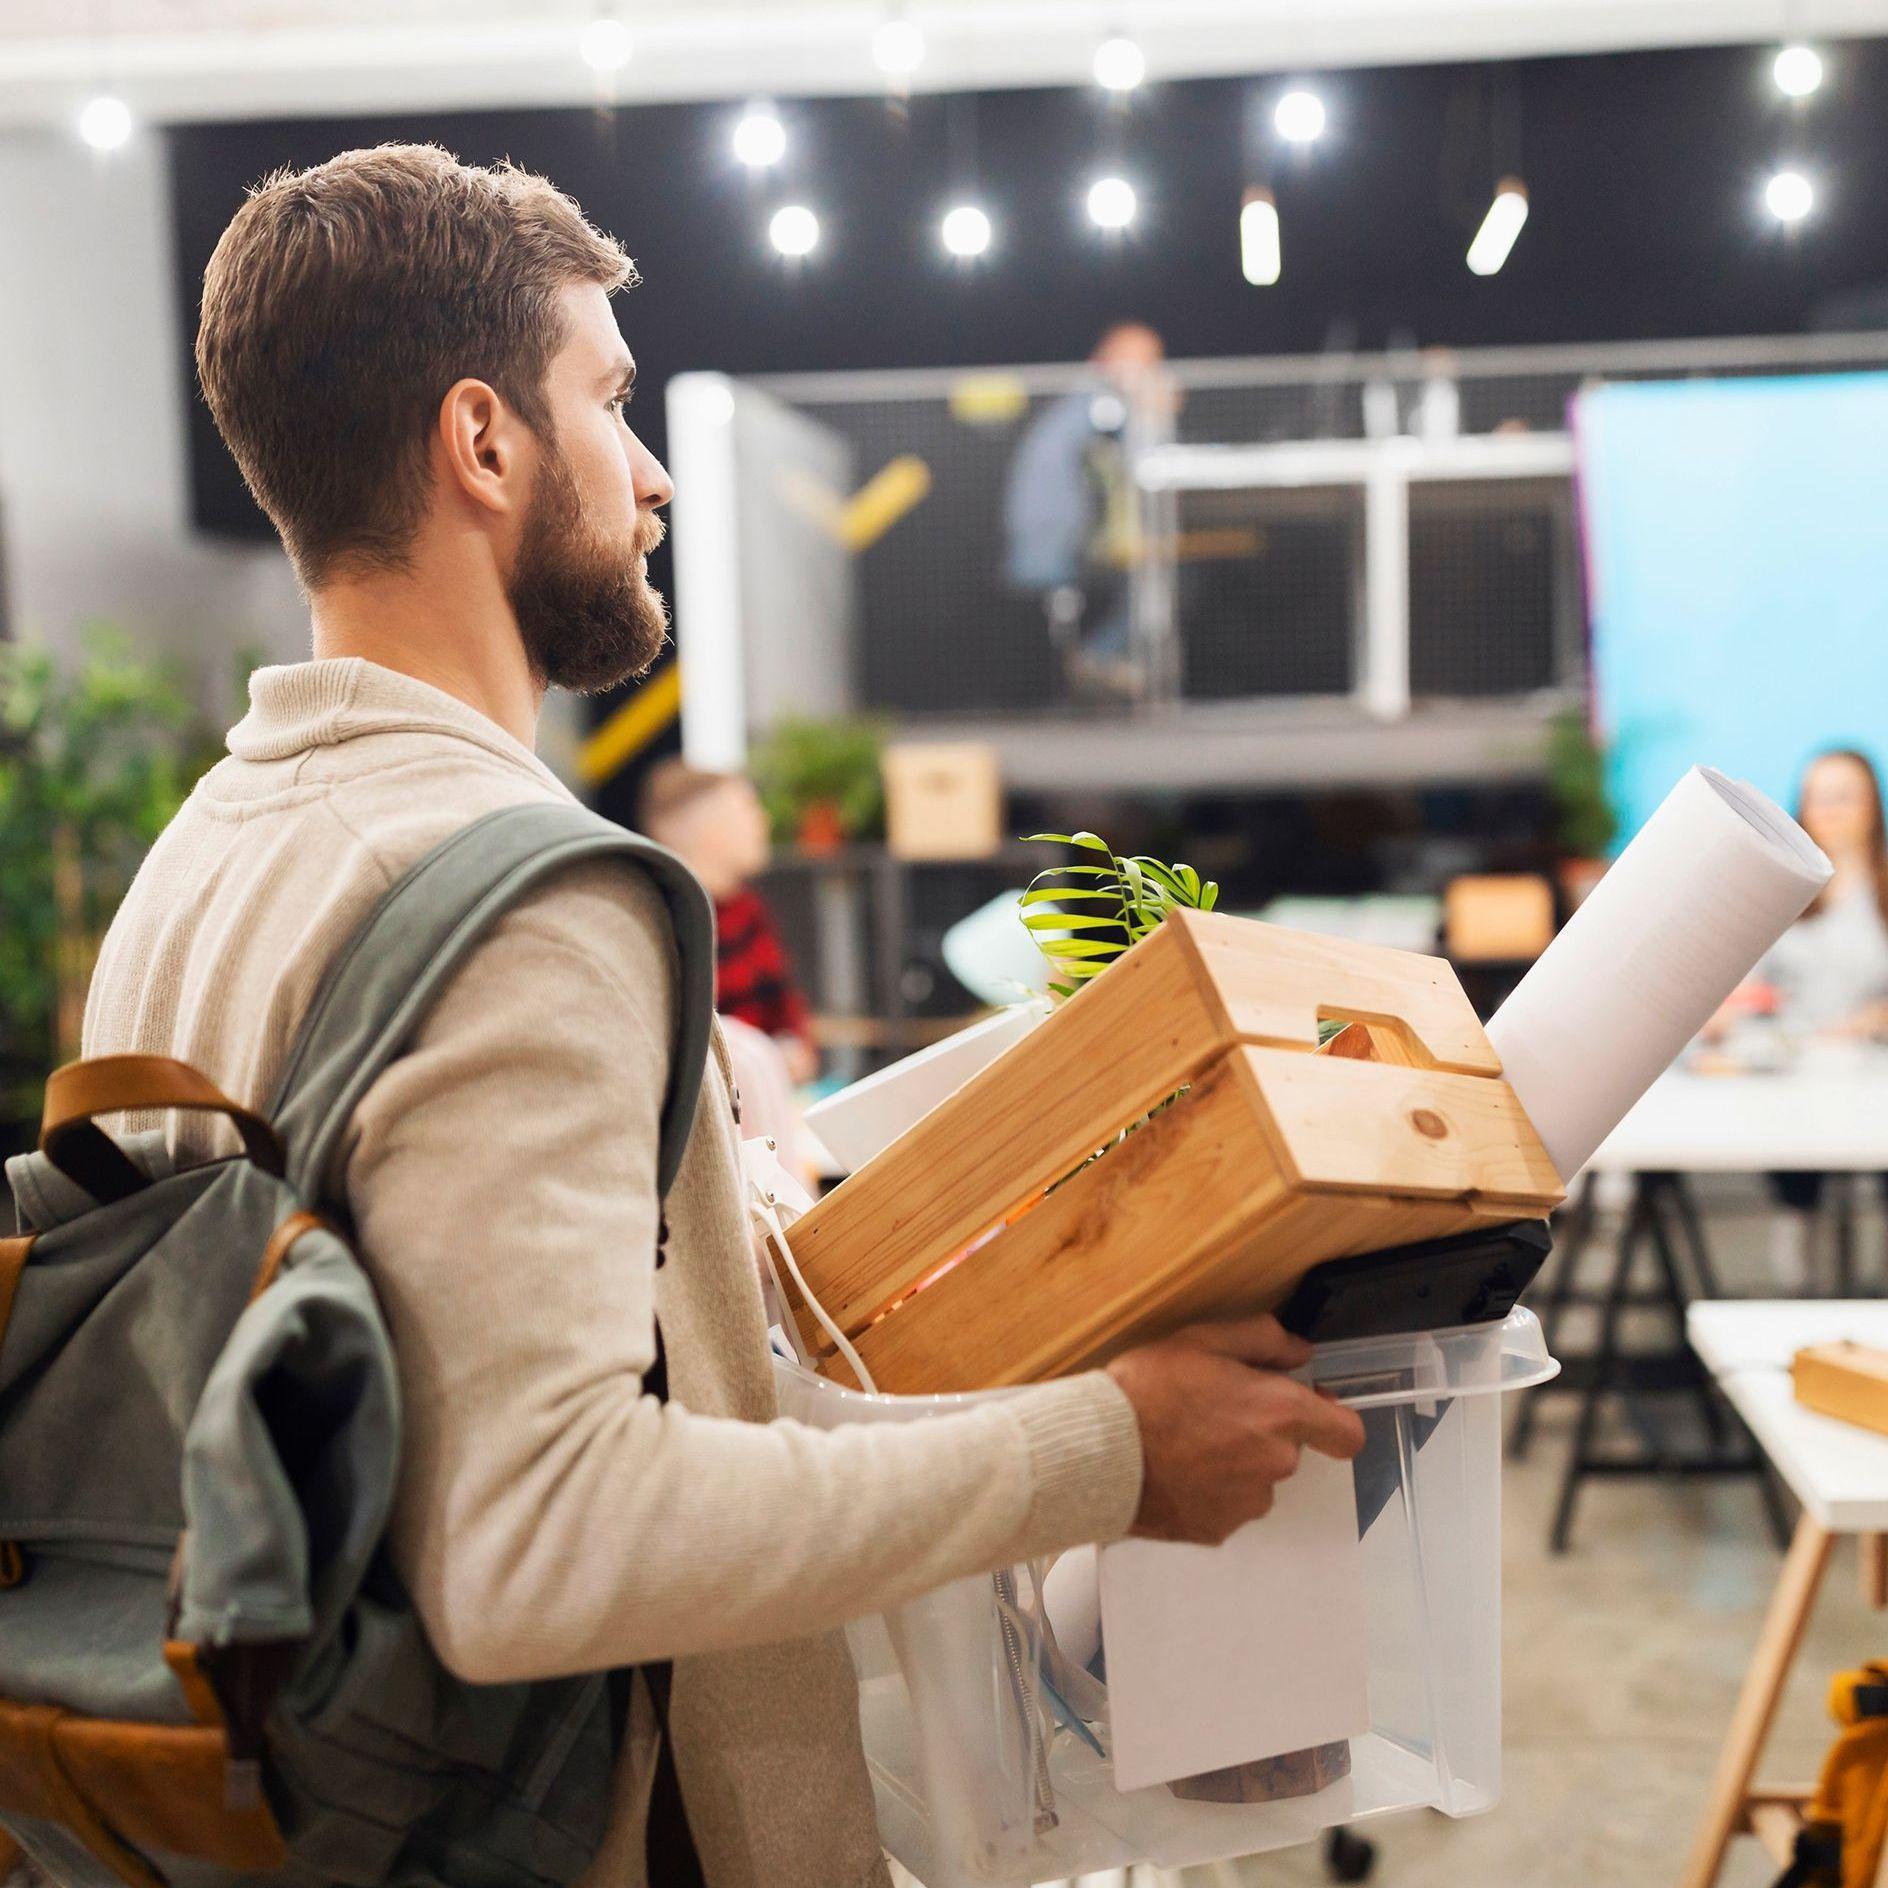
<point>1414,1132</point>
<point>1129,1039</point>
<point>1186,1182</point>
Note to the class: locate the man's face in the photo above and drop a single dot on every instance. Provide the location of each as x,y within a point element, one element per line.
<point>579,583</point>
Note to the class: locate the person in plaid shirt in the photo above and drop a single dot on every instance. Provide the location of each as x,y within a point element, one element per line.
<point>715,823</point>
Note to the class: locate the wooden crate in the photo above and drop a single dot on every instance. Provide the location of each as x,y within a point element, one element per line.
<point>1031,1259</point>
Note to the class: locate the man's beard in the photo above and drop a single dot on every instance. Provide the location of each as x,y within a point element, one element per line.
<point>586,612</point>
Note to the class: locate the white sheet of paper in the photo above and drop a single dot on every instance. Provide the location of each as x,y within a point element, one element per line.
<point>1222,1655</point>
<point>1681,918</point>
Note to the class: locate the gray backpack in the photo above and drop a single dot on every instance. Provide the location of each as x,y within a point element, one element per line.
<point>209,1671</point>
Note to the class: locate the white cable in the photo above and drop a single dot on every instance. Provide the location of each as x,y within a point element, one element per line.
<point>788,1325</point>
<point>765,1206</point>
<point>854,1362</point>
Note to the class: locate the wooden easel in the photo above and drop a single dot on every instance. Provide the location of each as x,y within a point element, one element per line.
<point>1737,1806</point>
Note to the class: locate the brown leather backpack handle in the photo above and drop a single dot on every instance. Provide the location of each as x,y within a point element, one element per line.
<point>117,1084</point>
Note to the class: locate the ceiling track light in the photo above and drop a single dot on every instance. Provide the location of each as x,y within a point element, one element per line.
<point>898,48</point>
<point>1112,204</point>
<point>965,231</point>
<point>1789,196</point>
<point>1797,70</point>
<point>1499,227</point>
<point>105,123</point>
<point>1298,117</point>
<point>794,231</point>
<point>1260,258</point>
<point>760,139</point>
<point>1120,65</point>
<point>605,44</point>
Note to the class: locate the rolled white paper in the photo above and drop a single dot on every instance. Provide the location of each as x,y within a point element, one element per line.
<point>1683,916</point>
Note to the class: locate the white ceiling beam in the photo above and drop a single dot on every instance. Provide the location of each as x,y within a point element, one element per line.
<point>706,50</point>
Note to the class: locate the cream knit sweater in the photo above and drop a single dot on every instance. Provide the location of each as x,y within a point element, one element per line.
<point>552,1519</point>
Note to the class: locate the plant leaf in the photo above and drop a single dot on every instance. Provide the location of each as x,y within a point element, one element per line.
<point>1091,841</point>
<point>1070,920</point>
<point>1043,894</point>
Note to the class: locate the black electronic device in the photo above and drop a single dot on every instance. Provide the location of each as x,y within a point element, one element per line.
<point>1468,1278</point>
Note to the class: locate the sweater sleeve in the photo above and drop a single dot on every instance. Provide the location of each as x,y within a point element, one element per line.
<point>552,1517</point>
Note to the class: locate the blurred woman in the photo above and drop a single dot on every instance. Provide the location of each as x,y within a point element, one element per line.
<point>1830,969</point>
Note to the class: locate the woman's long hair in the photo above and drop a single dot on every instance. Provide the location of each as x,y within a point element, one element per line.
<point>1878,826</point>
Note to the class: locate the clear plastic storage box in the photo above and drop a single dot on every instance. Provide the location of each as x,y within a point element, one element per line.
<point>988,1749</point>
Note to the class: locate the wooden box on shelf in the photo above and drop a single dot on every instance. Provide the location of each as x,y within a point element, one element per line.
<point>943,800</point>
<point>1017,1233</point>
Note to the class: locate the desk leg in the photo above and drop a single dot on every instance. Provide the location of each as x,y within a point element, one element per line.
<point>1845,1235</point>
<point>1605,1356</point>
<point>1782,1633</point>
<point>1874,1570</point>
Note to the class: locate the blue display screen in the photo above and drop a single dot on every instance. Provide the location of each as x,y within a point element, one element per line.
<point>1737,563</point>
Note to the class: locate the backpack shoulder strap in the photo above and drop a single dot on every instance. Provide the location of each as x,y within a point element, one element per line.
<point>378,991</point>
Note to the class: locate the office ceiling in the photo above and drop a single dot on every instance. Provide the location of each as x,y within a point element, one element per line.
<point>210,59</point>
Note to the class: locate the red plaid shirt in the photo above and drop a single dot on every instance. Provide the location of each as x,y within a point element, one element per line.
<point>754,978</point>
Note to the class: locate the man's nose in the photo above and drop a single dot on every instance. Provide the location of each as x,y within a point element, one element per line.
<point>653,486</point>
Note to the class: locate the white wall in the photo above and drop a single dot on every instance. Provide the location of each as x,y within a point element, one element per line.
<point>93,509</point>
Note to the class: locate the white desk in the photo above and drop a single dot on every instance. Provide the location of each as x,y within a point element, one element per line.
<point>1840,1474</point>
<point>1837,1471</point>
<point>1828,1113</point>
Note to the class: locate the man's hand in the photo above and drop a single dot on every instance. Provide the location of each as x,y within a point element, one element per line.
<point>1221,1426</point>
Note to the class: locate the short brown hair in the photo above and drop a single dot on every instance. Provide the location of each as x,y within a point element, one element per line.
<point>344,300</point>
<point>673,784</point>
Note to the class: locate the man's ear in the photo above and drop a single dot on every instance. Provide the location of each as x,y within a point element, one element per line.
<point>483,443</point>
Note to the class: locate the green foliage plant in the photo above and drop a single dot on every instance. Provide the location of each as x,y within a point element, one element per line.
<point>95,757</point>
<point>806,761</point>
<point>1576,776</point>
<point>1083,916</point>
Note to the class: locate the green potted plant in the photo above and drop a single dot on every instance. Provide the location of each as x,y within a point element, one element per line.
<point>1115,902</point>
<point>1585,823</point>
<point>819,780</point>
<point>1112,902</point>
<point>95,756</point>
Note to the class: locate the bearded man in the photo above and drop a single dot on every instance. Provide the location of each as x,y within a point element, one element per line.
<point>418,368</point>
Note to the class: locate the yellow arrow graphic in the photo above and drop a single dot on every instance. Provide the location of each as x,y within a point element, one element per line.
<point>870,512</point>
<point>632,727</point>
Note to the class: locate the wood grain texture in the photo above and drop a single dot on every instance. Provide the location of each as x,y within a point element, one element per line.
<point>1731,1798</point>
<point>1124,1042</point>
<point>1413,1132</point>
<point>1195,1215</point>
<point>1170,1007</point>
<point>1845,1380</point>
<point>1375,1042</point>
<point>1276,985</point>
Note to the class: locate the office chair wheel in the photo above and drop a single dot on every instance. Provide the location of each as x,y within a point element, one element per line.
<point>1348,1857</point>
